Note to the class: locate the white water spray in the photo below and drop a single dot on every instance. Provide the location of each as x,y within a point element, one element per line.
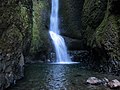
<point>58,40</point>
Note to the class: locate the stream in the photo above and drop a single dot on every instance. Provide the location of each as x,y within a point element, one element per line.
<point>58,77</point>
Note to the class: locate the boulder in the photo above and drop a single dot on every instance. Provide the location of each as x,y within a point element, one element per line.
<point>114,84</point>
<point>93,81</point>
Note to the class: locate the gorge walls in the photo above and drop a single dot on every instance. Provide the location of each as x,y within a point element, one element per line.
<point>15,33</point>
<point>70,23</point>
<point>23,33</point>
<point>40,43</point>
<point>101,28</point>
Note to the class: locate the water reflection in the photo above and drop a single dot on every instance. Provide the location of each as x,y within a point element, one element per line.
<point>65,63</point>
<point>58,77</point>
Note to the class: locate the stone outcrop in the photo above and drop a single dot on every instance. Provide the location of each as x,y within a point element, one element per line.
<point>40,44</point>
<point>100,29</point>
<point>15,33</point>
<point>70,22</point>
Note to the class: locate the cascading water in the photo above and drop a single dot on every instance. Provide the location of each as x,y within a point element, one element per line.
<point>58,41</point>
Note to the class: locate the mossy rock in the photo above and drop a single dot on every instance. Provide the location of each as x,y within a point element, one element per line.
<point>40,36</point>
<point>101,29</point>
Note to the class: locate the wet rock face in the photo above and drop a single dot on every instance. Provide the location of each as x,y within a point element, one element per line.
<point>70,17</point>
<point>100,27</point>
<point>13,30</point>
<point>70,22</point>
<point>12,60</point>
<point>40,43</point>
<point>73,44</point>
<point>92,15</point>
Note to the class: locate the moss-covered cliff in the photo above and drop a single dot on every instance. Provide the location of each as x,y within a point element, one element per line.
<point>101,27</point>
<point>15,32</point>
<point>40,37</point>
<point>24,29</point>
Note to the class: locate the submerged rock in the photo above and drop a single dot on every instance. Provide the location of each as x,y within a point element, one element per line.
<point>114,84</point>
<point>93,81</point>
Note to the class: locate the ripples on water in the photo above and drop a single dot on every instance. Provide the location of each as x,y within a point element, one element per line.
<point>58,77</point>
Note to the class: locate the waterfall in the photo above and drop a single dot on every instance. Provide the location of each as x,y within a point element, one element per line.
<point>58,41</point>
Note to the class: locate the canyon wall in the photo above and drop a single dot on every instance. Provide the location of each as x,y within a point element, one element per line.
<point>101,33</point>
<point>15,35</point>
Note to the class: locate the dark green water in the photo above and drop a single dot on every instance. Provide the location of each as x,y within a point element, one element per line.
<point>58,77</point>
